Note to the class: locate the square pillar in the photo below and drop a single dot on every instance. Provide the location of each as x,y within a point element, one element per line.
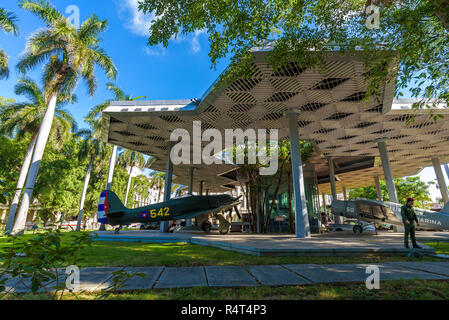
<point>191,170</point>
<point>388,173</point>
<point>440,177</point>
<point>330,161</point>
<point>301,216</point>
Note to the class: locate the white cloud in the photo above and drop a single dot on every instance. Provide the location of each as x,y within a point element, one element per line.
<point>155,51</point>
<point>195,43</point>
<point>140,24</point>
<point>136,21</point>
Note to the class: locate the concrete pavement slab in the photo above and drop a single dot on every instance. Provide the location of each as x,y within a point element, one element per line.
<point>395,272</point>
<point>442,264</point>
<point>431,267</point>
<point>229,276</point>
<point>185,277</point>
<point>329,273</point>
<point>275,276</point>
<point>139,283</point>
<point>96,278</point>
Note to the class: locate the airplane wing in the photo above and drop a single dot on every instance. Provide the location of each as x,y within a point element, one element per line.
<point>209,211</point>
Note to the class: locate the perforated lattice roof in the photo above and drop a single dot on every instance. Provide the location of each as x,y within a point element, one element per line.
<point>333,114</point>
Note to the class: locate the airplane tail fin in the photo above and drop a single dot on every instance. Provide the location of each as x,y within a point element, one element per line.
<point>445,209</point>
<point>109,202</point>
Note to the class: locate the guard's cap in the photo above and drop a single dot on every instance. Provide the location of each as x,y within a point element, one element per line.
<point>410,199</point>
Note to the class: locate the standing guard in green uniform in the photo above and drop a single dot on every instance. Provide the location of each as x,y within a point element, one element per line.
<point>409,218</point>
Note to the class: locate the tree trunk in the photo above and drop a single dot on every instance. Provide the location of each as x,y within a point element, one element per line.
<point>112,161</point>
<point>129,184</point>
<point>83,196</point>
<point>20,184</point>
<point>39,149</point>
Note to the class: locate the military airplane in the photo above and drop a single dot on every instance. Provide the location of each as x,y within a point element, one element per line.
<point>388,213</point>
<point>112,211</point>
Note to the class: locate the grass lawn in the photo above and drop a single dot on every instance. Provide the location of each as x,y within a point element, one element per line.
<point>181,254</point>
<point>440,246</point>
<point>389,290</point>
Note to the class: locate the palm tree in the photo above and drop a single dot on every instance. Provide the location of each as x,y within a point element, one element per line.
<point>91,147</point>
<point>24,118</point>
<point>7,24</point>
<point>158,180</point>
<point>95,115</point>
<point>131,159</point>
<point>71,54</point>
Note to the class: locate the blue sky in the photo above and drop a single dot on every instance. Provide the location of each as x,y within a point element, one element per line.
<point>181,71</point>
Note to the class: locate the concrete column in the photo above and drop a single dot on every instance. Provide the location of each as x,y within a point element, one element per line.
<point>345,194</point>
<point>167,186</point>
<point>301,217</point>
<point>388,173</point>
<point>247,196</point>
<point>446,168</point>
<point>440,177</point>
<point>201,188</point>
<point>378,189</point>
<point>191,170</point>
<point>207,192</point>
<point>333,185</point>
<point>324,202</point>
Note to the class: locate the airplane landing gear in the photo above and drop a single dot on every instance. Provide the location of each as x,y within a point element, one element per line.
<point>224,224</point>
<point>117,230</point>
<point>206,227</point>
<point>357,230</point>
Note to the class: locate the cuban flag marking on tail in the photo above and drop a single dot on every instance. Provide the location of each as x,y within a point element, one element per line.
<point>103,208</point>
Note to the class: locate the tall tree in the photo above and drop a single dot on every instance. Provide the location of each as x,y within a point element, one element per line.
<point>413,31</point>
<point>95,115</point>
<point>158,181</point>
<point>410,187</point>
<point>8,23</point>
<point>71,54</point>
<point>131,159</point>
<point>23,118</point>
<point>91,147</point>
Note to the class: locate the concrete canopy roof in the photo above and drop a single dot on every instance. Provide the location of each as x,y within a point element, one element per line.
<point>332,115</point>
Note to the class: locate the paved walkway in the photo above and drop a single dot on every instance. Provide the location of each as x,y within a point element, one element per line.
<point>331,244</point>
<point>95,279</point>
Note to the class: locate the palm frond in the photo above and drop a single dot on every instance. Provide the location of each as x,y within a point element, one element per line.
<point>4,71</point>
<point>104,62</point>
<point>43,9</point>
<point>30,89</point>
<point>92,27</point>
<point>8,22</point>
<point>119,94</point>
